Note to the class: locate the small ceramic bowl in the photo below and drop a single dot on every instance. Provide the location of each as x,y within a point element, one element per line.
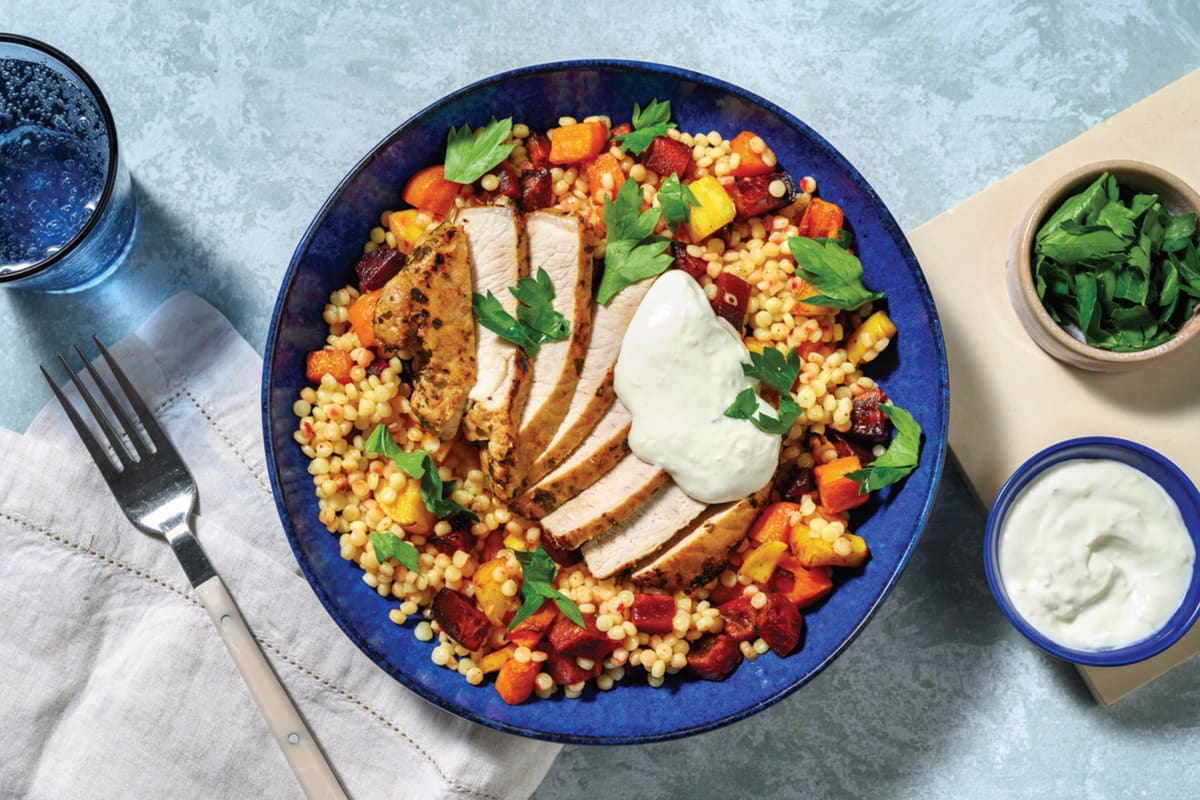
<point>1174,194</point>
<point>1151,463</point>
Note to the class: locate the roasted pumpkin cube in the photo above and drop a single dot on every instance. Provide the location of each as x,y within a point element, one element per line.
<point>864,343</point>
<point>409,509</point>
<point>715,209</point>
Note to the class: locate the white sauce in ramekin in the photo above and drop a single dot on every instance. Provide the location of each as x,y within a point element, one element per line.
<point>680,367</point>
<point>1094,554</point>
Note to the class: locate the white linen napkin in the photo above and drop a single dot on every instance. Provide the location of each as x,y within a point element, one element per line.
<point>113,682</point>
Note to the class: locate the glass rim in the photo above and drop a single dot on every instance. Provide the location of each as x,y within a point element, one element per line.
<point>110,178</point>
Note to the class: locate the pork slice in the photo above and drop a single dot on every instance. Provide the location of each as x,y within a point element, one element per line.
<point>700,552</point>
<point>498,256</point>
<point>594,391</point>
<point>665,514</point>
<point>603,448</point>
<point>425,309</point>
<point>556,244</point>
<point>607,502</point>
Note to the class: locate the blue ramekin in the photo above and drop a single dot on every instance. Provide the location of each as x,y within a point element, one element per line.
<point>1156,466</point>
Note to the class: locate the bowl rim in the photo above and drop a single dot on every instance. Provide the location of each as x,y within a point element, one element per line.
<point>1042,328</point>
<point>887,222</point>
<point>1089,447</point>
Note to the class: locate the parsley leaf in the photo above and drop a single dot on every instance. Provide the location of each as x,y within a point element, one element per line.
<point>536,296</point>
<point>836,274</point>
<point>419,466</point>
<point>898,460</point>
<point>536,321</point>
<point>492,316</point>
<point>537,586</point>
<point>469,157</point>
<point>676,199</point>
<point>744,405</point>
<point>389,545</point>
<point>633,252</point>
<point>773,369</point>
<point>647,123</point>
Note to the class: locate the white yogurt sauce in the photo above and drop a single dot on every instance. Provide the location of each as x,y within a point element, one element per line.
<point>1094,554</point>
<point>680,367</point>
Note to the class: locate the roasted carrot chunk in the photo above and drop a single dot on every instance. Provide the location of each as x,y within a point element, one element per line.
<point>752,155</point>
<point>839,493</point>
<point>574,144</point>
<point>514,682</point>
<point>530,630</point>
<point>328,362</point>
<point>802,585</point>
<point>429,191</point>
<point>604,175</point>
<point>774,524</point>
<point>362,317</point>
<point>821,220</point>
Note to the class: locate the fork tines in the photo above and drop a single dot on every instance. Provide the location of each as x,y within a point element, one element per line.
<point>120,435</point>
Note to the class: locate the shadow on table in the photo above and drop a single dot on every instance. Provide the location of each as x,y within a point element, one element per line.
<point>162,261</point>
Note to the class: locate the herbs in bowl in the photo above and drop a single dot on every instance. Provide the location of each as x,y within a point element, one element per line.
<point>1118,266</point>
<point>1104,270</point>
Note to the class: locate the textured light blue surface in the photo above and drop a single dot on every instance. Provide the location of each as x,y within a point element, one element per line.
<point>240,118</point>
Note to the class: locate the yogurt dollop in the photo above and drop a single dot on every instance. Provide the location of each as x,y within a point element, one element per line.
<point>680,367</point>
<point>1094,554</point>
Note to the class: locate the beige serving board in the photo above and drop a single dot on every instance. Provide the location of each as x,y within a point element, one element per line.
<point>1010,399</point>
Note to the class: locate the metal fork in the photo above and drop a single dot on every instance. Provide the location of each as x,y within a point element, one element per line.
<point>158,495</point>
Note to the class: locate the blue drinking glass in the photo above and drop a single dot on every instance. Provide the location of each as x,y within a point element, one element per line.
<point>67,211</point>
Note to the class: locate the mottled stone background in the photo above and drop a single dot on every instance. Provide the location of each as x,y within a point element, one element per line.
<point>239,118</point>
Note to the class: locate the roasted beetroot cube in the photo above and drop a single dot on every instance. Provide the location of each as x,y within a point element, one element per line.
<point>537,190</point>
<point>799,484</point>
<point>455,540</point>
<point>696,267</point>
<point>752,196</point>
<point>653,613</point>
<point>510,182</point>
<point>565,671</point>
<point>537,148</point>
<point>780,624</point>
<point>460,619</point>
<point>666,155</point>
<point>378,267</point>
<point>849,447</point>
<point>572,641</point>
<point>714,658</point>
<point>867,420</point>
<point>732,300</point>
<point>739,617</point>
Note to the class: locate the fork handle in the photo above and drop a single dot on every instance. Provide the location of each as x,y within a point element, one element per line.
<point>289,730</point>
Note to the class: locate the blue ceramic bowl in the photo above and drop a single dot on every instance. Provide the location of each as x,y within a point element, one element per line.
<point>1140,457</point>
<point>913,371</point>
